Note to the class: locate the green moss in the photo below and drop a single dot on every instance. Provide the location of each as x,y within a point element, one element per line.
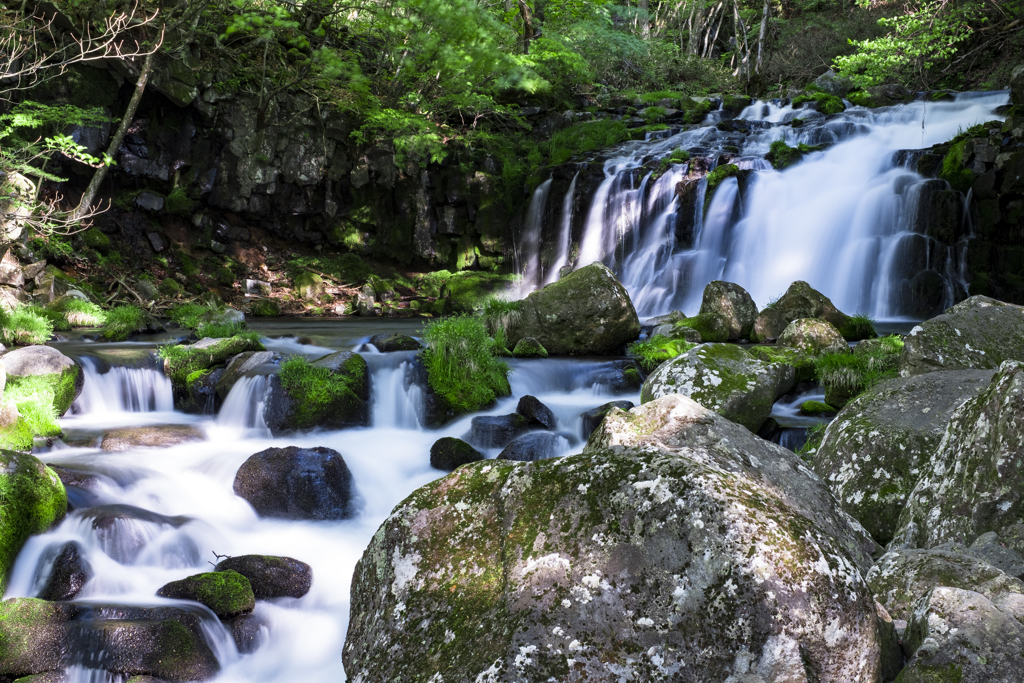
<point>696,112</point>
<point>861,98</point>
<point>709,327</point>
<point>180,361</point>
<point>227,593</point>
<point>654,114</point>
<point>953,171</point>
<point>265,308</point>
<point>816,408</point>
<point>316,389</point>
<point>462,367</point>
<point>936,673</point>
<point>94,239</point>
<point>25,325</point>
<point>197,376</point>
<point>844,375</point>
<point>40,399</point>
<point>716,177</point>
<point>32,499</point>
<point>827,104</point>
<point>804,364</point>
<point>178,203</point>
<point>652,352</point>
<point>782,155</point>
<point>585,137</point>
<point>528,347</point>
<point>470,291</point>
<point>122,322</point>
<point>171,287</point>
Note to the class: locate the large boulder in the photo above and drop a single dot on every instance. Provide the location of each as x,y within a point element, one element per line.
<point>335,399</point>
<point>723,378</point>
<point>977,333</point>
<point>587,312</point>
<point>677,560</point>
<point>32,499</point>
<point>49,370</point>
<point>494,431</point>
<point>34,636</point>
<point>591,419</point>
<point>183,360</point>
<point>800,301</point>
<point>813,337</point>
<point>731,303</point>
<point>975,481</point>
<point>270,576</point>
<point>536,412</point>
<point>226,592</point>
<point>297,483</point>
<point>874,451</point>
<point>388,343</point>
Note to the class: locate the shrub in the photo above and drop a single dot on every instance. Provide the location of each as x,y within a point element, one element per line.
<point>122,322</point>
<point>25,325</point>
<point>650,353</point>
<point>461,363</point>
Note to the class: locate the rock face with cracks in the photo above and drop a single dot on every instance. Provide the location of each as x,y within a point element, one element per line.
<point>674,559</point>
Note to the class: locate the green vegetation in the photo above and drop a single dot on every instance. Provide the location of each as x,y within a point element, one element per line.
<point>716,176</point>
<point>844,375</point>
<point>817,408</point>
<point>650,353</point>
<point>858,327</point>
<point>181,360</point>
<point>32,499</point>
<point>462,365</point>
<point>586,137</point>
<point>227,593</point>
<point>77,313</point>
<point>36,398</point>
<point>122,322</point>
<point>315,389</point>
<point>709,326</point>
<point>953,171</point>
<point>827,104</point>
<point>204,321</point>
<point>528,347</point>
<point>781,155</point>
<point>25,325</point>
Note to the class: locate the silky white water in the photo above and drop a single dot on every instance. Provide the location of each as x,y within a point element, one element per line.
<point>188,510</point>
<point>839,219</point>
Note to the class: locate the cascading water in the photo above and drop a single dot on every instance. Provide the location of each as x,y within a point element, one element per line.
<point>846,219</point>
<point>527,248</point>
<point>121,389</point>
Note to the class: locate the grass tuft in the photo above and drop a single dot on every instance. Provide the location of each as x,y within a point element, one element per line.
<point>462,365</point>
<point>25,325</point>
<point>122,322</point>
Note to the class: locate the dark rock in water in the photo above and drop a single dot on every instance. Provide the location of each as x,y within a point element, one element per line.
<point>270,576</point>
<point>238,367</point>
<point>620,376</point>
<point>593,417</point>
<point>70,572</point>
<point>247,633</point>
<point>156,436</point>
<point>386,343</point>
<point>800,301</point>
<point>297,483</point>
<point>34,636</point>
<point>226,592</point>
<point>201,396</point>
<point>536,412</point>
<point>83,480</point>
<point>298,408</point>
<point>534,446</point>
<point>448,453</point>
<point>494,431</point>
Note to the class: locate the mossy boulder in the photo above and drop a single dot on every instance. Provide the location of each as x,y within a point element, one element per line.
<point>271,576</point>
<point>32,499</point>
<point>974,483</point>
<point>170,287</point>
<point>449,453</point>
<point>709,327</point>
<point>875,450</point>
<point>528,347</point>
<point>95,239</point>
<point>238,367</point>
<point>977,333</point>
<point>265,308</point>
<point>800,301</point>
<point>183,360</point>
<point>332,392</point>
<point>723,378</point>
<point>297,483</point>
<point>813,337</point>
<point>803,364</point>
<point>592,418</point>
<point>817,409</point>
<point>227,593</point>
<point>388,343</point>
<point>732,303</point>
<point>34,636</point>
<point>201,391</point>
<point>46,369</point>
<point>308,286</point>
<point>587,312</point>
<point>650,541</point>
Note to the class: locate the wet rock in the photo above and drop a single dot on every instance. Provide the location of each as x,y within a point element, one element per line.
<point>34,636</point>
<point>238,367</point>
<point>534,446</point>
<point>122,530</point>
<point>226,592</point>
<point>386,343</point>
<point>270,576</point>
<point>69,574</point>
<point>201,388</point>
<point>205,354</point>
<point>265,308</point>
<point>720,377</point>
<point>297,483</point>
<point>813,337</point>
<point>588,312</point>
<point>448,453</point>
<point>303,406</point>
<point>901,578</point>
<point>154,436</point>
<point>494,431</point>
<point>799,301</point>
<point>624,549</point>
<point>733,305</point>
<point>591,419</point>
<point>874,451</point>
<point>247,632</point>
<point>62,374</point>
<point>536,412</point>
<point>960,635</point>
<point>978,333</point>
<point>528,347</point>
<point>889,641</point>
<point>34,499</point>
<point>48,677</point>
<point>618,377</point>
<point>983,438</point>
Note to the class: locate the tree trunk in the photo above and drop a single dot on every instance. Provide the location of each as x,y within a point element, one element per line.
<point>645,17</point>
<point>115,142</point>
<point>524,11</point>
<point>760,37</point>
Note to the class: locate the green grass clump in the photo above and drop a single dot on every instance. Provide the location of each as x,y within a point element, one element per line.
<point>462,365</point>
<point>585,137</point>
<point>25,325</point>
<point>500,316</point>
<point>654,114</point>
<point>217,330</point>
<point>198,317</point>
<point>190,316</point>
<point>36,398</point>
<point>858,327</point>
<point>781,155</point>
<point>122,322</point>
<point>314,389</point>
<point>827,104</point>
<point>849,374</point>
<point>650,353</point>
<point>78,313</point>
<point>658,96</point>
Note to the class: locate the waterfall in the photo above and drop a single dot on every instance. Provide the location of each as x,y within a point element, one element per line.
<point>122,390</point>
<point>245,402</point>
<point>528,248</point>
<point>395,398</point>
<point>845,219</point>
<point>564,233</point>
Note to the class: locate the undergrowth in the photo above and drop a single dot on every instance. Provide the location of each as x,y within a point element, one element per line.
<point>122,322</point>
<point>25,325</point>
<point>314,389</point>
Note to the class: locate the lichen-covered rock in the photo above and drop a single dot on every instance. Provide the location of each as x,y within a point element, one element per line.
<point>800,301</point>
<point>874,451</point>
<point>975,481</point>
<point>61,374</point>
<point>536,412</point>
<point>308,285</point>
<point>270,576</point>
<point>592,418</point>
<point>720,377</point>
<point>813,337</point>
<point>990,548</point>
<point>310,397</point>
<point>183,360</point>
<point>226,592</point>
<point>387,343</point>
<point>961,636</point>
<point>69,574</point>
<point>528,347</point>
<point>977,333</point>
<point>32,499</point>
<point>297,483</point>
<point>659,562</point>
<point>731,303</point>
<point>34,636</point>
<point>153,436</point>
<point>448,453</point>
<point>587,312</point>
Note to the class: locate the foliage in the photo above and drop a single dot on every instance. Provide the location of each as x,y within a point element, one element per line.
<point>650,353</point>
<point>122,322</point>
<point>78,313</point>
<point>35,398</point>
<point>716,176</point>
<point>501,315</point>
<point>586,137</point>
<point>25,325</point>
<point>859,371</point>
<point>858,327</point>
<point>953,171</point>
<point>781,155</point>
<point>461,363</point>
<point>348,268</point>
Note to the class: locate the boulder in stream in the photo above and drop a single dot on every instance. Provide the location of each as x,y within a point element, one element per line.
<point>534,446</point>
<point>587,312</point>
<point>639,557</point>
<point>34,499</point>
<point>731,303</point>
<point>226,592</point>
<point>813,337</point>
<point>304,396</point>
<point>201,392</point>
<point>185,359</point>
<point>247,632</point>
<point>448,453</point>
<point>297,483</point>
<point>69,574</point>
<point>153,436</point>
<point>494,431</point>
<point>536,412</point>
<point>592,418</point>
<point>47,366</point>
<point>270,576</point>
<point>238,367</point>
<point>34,636</point>
<point>528,347</point>
<point>387,343</point>
<point>800,301</point>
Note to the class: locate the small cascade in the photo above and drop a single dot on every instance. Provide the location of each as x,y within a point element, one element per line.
<point>527,254</point>
<point>245,403</point>
<point>564,233</point>
<point>122,390</point>
<point>396,398</point>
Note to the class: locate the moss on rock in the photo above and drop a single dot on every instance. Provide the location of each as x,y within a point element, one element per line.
<point>32,499</point>
<point>183,360</point>
<point>227,592</point>
<point>528,347</point>
<point>331,392</point>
